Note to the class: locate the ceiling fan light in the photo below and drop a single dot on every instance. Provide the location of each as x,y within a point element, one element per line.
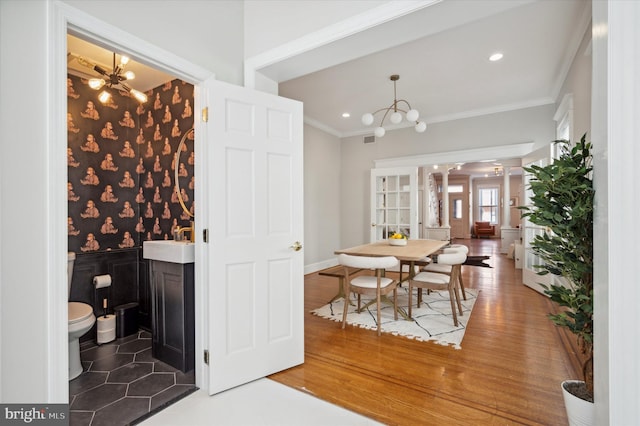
<point>96,83</point>
<point>421,126</point>
<point>367,119</point>
<point>412,115</point>
<point>104,96</point>
<point>139,95</point>
<point>129,75</point>
<point>395,118</point>
<point>379,132</point>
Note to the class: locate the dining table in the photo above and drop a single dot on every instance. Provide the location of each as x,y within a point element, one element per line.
<point>416,250</point>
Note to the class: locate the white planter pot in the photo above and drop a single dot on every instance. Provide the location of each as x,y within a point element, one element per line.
<point>579,411</point>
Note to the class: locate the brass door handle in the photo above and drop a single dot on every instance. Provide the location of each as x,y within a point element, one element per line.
<point>297,246</point>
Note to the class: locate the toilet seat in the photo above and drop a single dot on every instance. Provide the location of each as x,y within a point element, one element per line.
<point>79,312</point>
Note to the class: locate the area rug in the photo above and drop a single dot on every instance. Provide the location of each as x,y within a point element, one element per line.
<point>472,261</point>
<point>432,322</point>
<point>478,261</point>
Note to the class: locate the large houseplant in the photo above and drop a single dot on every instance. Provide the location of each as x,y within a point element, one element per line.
<point>562,202</point>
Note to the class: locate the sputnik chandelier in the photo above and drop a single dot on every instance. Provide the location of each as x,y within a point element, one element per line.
<point>113,79</point>
<point>396,113</point>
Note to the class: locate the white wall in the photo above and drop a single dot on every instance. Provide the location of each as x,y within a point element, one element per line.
<point>615,126</point>
<point>23,202</point>
<point>525,125</point>
<point>602,355</point>
<point>578,83</point>
<point>322,183</point>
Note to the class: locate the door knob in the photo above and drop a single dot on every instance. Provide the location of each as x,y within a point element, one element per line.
<point>297,246</point>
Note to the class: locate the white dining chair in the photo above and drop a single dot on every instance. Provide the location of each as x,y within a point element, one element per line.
<point>377,285</point>
<point>436,281</point>
<point>441,268</point>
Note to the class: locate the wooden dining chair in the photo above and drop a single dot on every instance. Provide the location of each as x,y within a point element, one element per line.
<point>405,265</point>
<point>377,285</point>
<point>436,281</point>
<point>441,268</point>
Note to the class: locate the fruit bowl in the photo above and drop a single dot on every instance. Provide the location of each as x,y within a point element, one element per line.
<point>397,241</point>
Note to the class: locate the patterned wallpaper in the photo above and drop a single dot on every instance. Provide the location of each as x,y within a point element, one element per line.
<point>121,165</point>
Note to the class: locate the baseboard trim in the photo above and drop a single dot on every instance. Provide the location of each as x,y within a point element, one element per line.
<point>315,267</point>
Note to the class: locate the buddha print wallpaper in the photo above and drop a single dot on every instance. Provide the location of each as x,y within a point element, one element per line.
<point>121,166</point>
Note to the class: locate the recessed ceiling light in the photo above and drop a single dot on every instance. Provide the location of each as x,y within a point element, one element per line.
<point>496,57</point>
<point>346,115</point>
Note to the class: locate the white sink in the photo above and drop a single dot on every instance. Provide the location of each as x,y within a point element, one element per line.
<point>169,251</point>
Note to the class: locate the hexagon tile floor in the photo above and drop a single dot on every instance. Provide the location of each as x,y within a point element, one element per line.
<point>122,383</point>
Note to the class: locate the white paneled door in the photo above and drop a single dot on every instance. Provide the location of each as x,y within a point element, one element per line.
<point>255,223</point>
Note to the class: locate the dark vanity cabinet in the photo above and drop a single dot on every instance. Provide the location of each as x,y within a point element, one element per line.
<point>173,328</point>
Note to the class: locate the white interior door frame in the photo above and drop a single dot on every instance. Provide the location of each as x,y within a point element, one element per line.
<point>63,19</point>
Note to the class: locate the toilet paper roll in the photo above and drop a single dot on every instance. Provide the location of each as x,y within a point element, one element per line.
<point>106,329</point>
<point>101,281</point>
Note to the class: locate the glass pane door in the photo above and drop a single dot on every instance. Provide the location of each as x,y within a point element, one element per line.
<point>394,208</point>
<point>530,275</point>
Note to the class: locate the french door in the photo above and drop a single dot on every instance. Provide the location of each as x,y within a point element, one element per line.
<point>394,202</point>
<point>530,277</point>
<point>254,217</point>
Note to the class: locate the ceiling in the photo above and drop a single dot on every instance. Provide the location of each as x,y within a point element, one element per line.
<point>441,53</point>
<point>147,78</point>
<point>446,74</point>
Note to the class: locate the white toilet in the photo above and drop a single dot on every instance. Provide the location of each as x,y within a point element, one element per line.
<point>81,319</point>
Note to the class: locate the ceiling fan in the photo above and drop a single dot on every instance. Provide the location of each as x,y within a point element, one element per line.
<point>113,79</point>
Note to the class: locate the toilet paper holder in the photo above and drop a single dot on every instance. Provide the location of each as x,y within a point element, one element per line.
<point>102,281</point>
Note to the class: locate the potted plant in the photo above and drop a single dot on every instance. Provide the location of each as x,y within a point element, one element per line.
<point>562,201</point>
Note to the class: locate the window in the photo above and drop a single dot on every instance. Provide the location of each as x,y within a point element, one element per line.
<point>457,208</point>
<point>488,204</point>
<point>452,189</point>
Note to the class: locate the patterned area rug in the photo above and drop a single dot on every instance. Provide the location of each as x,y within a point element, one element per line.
<point>431,322</point>
<point>478,261</point>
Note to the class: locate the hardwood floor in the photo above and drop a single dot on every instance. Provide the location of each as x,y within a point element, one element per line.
<point>508,371</point>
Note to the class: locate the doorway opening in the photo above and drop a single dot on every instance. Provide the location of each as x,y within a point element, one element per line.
<point>123,162</point>
<point>69,21</point>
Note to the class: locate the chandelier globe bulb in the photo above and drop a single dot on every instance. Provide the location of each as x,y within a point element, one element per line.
<point>412,115</point>
<point>379,132</point>
<point>367,119</point>
<point>395,118</point>
<point>421,126</point>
